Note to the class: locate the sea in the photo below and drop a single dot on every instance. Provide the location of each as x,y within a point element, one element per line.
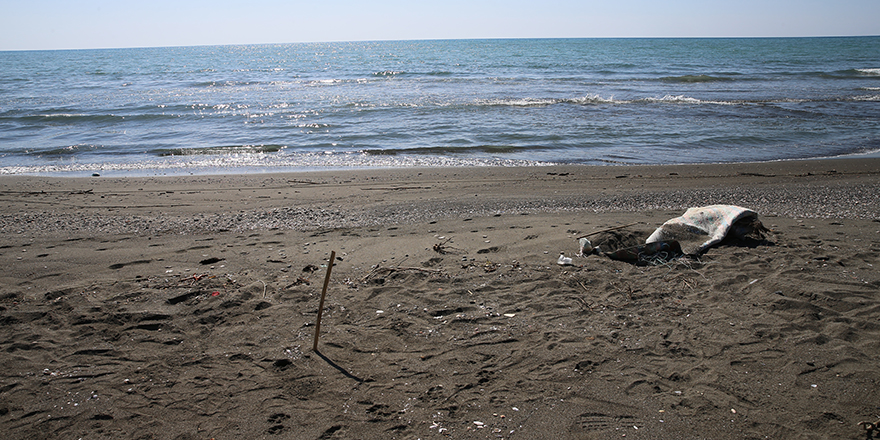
<point>437,103</point>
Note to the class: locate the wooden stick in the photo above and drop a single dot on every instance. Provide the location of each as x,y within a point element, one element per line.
<point>323,295</point>
<point>607,230</point>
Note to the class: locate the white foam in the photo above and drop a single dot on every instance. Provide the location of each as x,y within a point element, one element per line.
<point>596,99</point>
<point>520,102</point>
<point>866,98</point>
<point>233,163</point>
<point>682,99</point>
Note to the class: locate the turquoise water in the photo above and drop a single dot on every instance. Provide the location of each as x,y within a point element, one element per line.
<point>437,103</point>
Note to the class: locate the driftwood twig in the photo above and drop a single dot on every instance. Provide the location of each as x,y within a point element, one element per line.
<point>442,248</point>
<point>607,230</point>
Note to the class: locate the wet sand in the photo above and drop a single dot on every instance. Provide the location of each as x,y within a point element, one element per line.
<point>185,307</point>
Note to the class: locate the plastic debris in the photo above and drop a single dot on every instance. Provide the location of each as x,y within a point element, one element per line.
<point>585,247</point>
<point>563,260</point>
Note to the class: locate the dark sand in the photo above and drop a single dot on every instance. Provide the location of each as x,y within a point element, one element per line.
<point>184,307</point>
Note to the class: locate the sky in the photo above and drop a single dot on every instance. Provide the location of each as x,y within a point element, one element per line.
<point>88,24</point>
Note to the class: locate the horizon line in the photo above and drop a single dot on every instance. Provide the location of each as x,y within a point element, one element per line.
<point>443,39</point>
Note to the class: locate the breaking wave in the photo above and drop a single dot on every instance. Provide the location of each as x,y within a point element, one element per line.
<point>247,163</point>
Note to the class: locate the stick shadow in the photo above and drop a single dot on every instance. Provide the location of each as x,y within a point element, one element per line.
<point>340,369</point>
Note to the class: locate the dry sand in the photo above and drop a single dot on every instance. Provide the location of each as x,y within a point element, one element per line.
<point>184,307</point>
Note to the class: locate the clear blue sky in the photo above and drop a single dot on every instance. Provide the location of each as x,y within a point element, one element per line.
<point>76,24</point>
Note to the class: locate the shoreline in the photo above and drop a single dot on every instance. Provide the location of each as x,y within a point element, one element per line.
<point>184,306</point>
<point>123,172</point>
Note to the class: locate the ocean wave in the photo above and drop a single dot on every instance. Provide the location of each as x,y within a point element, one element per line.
<point>695,79</point>
<point>865,98</point>
<point>81,118</point>
<point>681,99</point>
<point>66,151</point>
<point>229,83</point>
<point>672,99</point>
<point>870,72</point>
<point>520,102</point>
<point>219,150</point>
<point>538,102</point>
<point>263,70</point>
<point>324,82</point>
<point>592,99</point>
<point>595,100</point>
<point>240,83</point>
<point>243,163</point>
<point>845,74</point>
<point>439,73</point>
<point>483,149</point>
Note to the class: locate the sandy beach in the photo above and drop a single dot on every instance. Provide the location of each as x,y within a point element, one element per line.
<point>184,307</point>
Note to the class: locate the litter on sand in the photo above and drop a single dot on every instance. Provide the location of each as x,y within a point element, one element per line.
<point>699,229</point>
<point>692,233</point>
